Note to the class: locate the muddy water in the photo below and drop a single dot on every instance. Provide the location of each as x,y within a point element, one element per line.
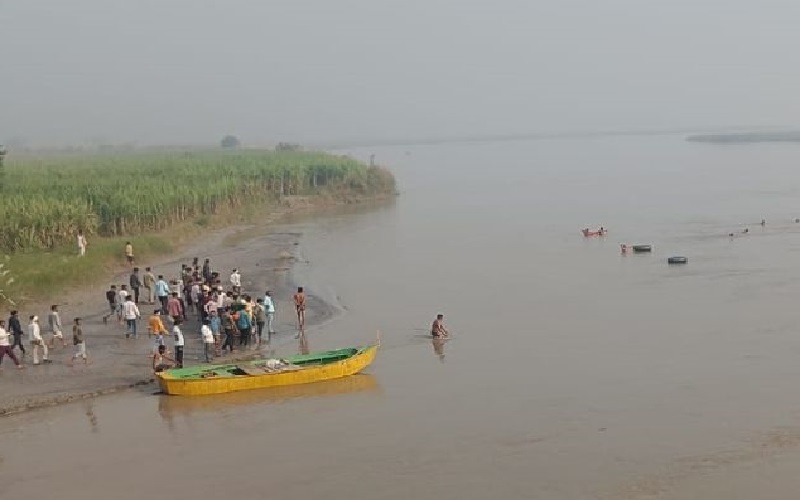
<point>574,372</point>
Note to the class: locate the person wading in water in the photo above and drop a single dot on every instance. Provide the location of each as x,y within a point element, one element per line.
<point>438,331</point>
<point>300,307</point>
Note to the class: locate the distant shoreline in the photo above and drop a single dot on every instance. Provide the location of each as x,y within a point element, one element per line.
<point>746,137</point>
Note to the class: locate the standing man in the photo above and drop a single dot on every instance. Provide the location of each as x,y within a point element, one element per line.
<point>79,342</point>
<point>236,281</point>
<point>54,322</point>
<point>207,272</point>
<point>269,308</point>
<point>129,253</point>
<point>81,243</point>
<point>162,292</point>
<point>135,283</point>
<point>229,327</point>
<point>177,290</point>
<point>208,340</point>
<point>260,314</point>
<point>149,285</point>
<point>216,326</point>
<point>35,338</point>
<point>438,330</point>
<point>15,328</point>
<point>244,324</point>
<point>177,336</point>
<point>300,308</point>
<point>174,308</point>
<point>132,315</point>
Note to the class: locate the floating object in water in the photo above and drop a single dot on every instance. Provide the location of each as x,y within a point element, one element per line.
<point>600,232</point>
<point>677,260</point>
<point>642,248</point>
<point>797,221</point>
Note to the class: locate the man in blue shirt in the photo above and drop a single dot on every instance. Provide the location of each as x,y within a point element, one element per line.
<point>162,292</point>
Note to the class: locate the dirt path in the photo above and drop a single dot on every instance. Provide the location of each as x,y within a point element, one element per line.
<point>118,363</point>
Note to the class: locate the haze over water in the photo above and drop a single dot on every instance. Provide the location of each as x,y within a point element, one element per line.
<point>574,372</point>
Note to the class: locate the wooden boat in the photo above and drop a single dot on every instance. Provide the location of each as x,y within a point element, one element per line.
<point>203,380</point>
<point>600,232</point>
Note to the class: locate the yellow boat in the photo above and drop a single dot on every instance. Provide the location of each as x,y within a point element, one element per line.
<point>204,380</point>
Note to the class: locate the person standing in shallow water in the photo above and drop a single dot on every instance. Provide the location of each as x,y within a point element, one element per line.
<point>300,308</point>
<point>438,330</point>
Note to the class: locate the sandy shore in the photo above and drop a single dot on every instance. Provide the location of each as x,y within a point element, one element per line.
<point>118,363</point>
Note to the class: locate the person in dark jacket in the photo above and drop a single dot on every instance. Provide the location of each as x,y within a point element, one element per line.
<point>15,328</point>
<point>135,283</point>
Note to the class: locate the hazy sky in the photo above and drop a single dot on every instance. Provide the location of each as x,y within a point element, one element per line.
<point>166,71</point>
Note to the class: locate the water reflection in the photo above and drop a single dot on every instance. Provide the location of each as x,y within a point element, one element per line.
<point>89,405</point>
<point>438,348</point>
<point>172,406</point>
<point>303,343</point>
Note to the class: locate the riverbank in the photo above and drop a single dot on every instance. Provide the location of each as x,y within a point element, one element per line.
<point>265,257</point>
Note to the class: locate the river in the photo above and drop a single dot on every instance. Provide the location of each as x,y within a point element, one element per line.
<point>573,372</point>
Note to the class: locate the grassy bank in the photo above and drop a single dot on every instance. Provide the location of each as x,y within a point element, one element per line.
<point>156,201</point>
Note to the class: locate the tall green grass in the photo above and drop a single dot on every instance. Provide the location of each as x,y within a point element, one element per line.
<point>46,200</point>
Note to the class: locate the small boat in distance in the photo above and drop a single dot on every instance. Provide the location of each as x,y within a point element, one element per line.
<point>203,380</point>
<point>600,232</point>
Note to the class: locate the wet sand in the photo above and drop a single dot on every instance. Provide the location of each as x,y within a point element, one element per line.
<point>117,363</point>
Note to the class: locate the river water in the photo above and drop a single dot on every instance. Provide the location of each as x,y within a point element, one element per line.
<point>573,372</point>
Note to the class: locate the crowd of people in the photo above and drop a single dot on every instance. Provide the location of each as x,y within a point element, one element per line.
<point>228,319</point>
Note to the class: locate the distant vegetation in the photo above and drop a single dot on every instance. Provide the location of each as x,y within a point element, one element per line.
<point>48,198</point>
<point>230,142</point>
<point>746,137</point>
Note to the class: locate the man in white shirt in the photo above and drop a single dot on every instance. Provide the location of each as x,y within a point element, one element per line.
<point>177,337</point>
<point>35,338</point>
<point>208,339</point>
<point>236,282</point>
<point>122,296</point>
<point>131,313</point>
<point>269,308</point>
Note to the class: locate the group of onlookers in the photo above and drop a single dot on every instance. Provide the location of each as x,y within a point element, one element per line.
<point>229,320</point>
<point>11,337</point>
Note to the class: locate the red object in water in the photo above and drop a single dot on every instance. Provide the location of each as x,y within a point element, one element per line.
<point>588,233</point>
